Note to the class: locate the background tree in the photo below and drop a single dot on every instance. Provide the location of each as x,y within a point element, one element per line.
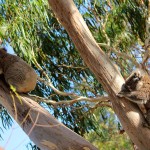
<point>36,35</point>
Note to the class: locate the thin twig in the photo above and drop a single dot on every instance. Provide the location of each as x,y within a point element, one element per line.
<point>120,54</point>
<point>70,102</point>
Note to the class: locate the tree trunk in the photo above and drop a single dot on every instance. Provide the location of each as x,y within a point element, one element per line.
<point>42,128</point>
<point>104,70</point>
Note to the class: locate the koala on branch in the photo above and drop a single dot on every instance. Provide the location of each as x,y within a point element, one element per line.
<point>17,72</point>
<point>137,89</point>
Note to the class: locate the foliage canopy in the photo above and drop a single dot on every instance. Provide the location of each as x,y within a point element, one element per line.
<point>119,26</point>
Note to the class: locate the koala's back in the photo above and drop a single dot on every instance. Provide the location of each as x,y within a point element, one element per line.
<point>18,73</point>
<point>8,60</point>
<point>144,91</point>
<point>146,82</point>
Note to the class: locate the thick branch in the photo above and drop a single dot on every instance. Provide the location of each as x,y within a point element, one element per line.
<point>42,128</point>
<point>102,67</point>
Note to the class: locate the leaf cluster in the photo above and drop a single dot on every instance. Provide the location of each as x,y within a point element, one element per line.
<point>31,28</point>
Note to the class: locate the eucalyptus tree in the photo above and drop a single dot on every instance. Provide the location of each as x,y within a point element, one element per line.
<point>66,86</point>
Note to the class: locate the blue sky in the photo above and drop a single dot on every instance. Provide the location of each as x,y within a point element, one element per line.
<point>14,138</point>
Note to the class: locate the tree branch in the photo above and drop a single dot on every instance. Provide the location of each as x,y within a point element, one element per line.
<point>42,128</point>
<point>70,102</point>
<point>120,54</point>
<point>104,70</point>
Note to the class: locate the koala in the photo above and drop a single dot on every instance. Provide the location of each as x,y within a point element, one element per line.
<point>17,72</point>
<point>137,89</point>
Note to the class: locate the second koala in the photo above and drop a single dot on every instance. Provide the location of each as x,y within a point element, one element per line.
<point>136,87</point>
<point>17,72</point>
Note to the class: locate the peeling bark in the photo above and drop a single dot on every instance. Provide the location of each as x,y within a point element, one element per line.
<point>104,70</point>
<point>42,128</point>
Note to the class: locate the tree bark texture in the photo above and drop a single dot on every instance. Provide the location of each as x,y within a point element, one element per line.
<point>104,70</point>
<point>42,128</point>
